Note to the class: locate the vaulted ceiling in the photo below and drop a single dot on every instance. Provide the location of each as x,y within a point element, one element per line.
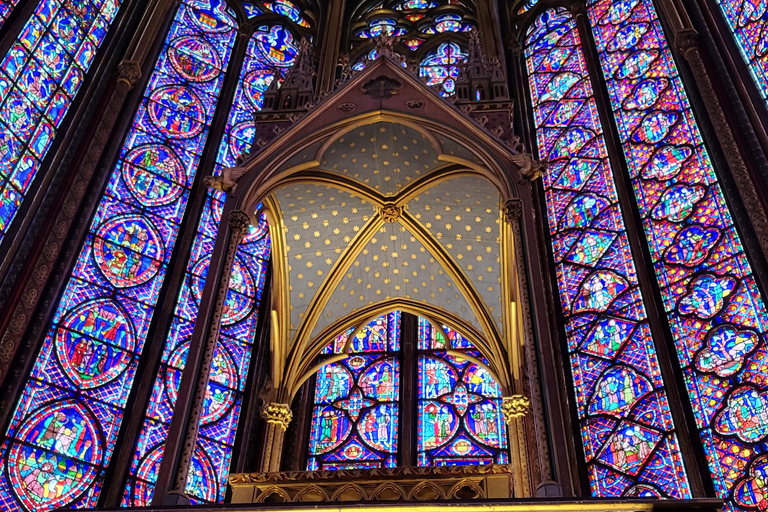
<point>386,215</point>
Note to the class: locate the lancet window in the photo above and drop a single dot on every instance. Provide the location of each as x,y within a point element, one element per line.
<point>714,310</point>
<point>83,377</point>
<point>40,76</point>
<point>358,416</point>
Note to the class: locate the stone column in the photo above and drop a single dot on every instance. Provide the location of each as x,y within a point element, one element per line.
<point>514,408</point>
<point>278,417</point>
<point>239,222</point>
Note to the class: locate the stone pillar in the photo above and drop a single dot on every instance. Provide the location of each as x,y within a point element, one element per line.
<point>278,417</point>
<point>239,222</point>
<point>514,408</point>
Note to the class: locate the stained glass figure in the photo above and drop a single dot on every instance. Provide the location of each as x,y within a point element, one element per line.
<point>231,361</point>
<point>289,10</point>
<point>748,20</point>
<point>715,310</point>
<point>40,76</point>
<point>63,430</point>
<point>459,404</point>
<point>356,412</point>
<point>626,426</point>
<point>441,67</point>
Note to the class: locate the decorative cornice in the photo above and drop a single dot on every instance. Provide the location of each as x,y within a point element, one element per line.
<point>278,414</point>
<point>515,406</point>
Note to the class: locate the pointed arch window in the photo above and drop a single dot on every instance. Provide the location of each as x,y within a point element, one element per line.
<point>714,310</point>
<point>272,47</point>
<point>40,76</point>
<point>357,419</point>
<point>63,432</point>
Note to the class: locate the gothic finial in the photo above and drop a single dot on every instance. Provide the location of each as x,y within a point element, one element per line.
<point>346,68</point>
<point>385,46</point>
<point>301,73</point>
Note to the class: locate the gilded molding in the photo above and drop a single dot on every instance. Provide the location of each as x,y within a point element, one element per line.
<point>277,414</point>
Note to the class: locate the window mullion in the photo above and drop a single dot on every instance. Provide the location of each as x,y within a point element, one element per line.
<point>408,389</point>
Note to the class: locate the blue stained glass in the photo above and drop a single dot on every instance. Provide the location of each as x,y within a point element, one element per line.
<point>6,7</point>
<point>231,360</point>
<point>748,21</point>
<point>626,426</point>
<point>39,79</point>
<point>459,411</point>
<point>441,67</point>
<point>289,10</point>
<point>715,310</point>
<point>63,431</point>
<point>355,418</point>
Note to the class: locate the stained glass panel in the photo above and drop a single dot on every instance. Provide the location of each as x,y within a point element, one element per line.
<point>63,431</point>
<point>6,7</point>
<point>716,313</point>
<point>355,417</point>
<point>39,79</point>
<point>748,21</point>
<point>441,67</point>
<point>231,362</point>
<point>626,426</point>
<point>459,404</point>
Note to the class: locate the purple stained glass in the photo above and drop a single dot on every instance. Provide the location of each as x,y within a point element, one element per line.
<point>63,431</point>
<point>459,404</point>
<point>40,76</point>
<point>355,417</point>
<point>748,20</point>
<point>626,426</point>
<point>441,67</point>
<point>218,425</point>
<point>715,310</point>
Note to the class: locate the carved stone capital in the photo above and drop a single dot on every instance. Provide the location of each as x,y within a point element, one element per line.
<point>686,39</point>
<point>279,414</point>
<point>128,72</point>
<point>515,406</point>
<point>239,221</point>
<point>390,213</point>
<point>513,210</point>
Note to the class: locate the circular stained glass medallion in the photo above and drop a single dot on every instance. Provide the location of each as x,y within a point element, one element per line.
<point>147,472</point>
<point>94,343</point>
<point>55,463</point>
<point>177,111</point>
<point>223,378</point>
<point>242,290</point>
<point>127,249</point>
<point>194,58</point>
<point>277,46</point>
<point>484,422</point>
<point>378,427</point>
<point>437,423</point>
<point>255,83</point>
<point>240,138</point>
<point>153,174</point>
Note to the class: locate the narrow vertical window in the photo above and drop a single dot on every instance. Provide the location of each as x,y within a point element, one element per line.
<point>356,412</point>
<point>270,48</point>
<point>749,24</point>
<point>627,431</point>
<point>39,79</point>
<point>63,431</point>
<point>715,311</point>
<point>459,404</point>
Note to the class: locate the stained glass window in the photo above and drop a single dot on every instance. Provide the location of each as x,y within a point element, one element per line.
<point>6,6</point>
<point>748,21</point>
<point>459,404</point>
<point>270,48</point>
<point>289,10</point>
<point>63,430</point>
<point>626,426</point>
<point>441,67</point>
<point>715,310</point>
<point>355,417</point>
<point>39,79</point>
